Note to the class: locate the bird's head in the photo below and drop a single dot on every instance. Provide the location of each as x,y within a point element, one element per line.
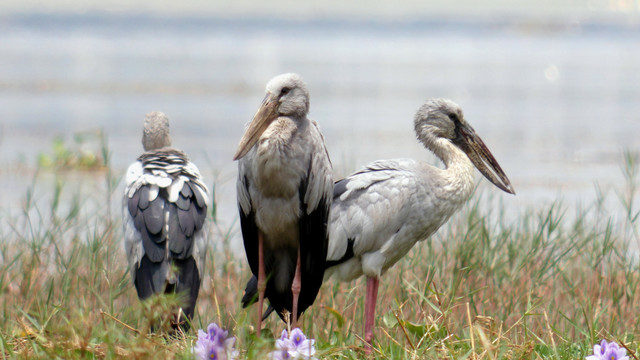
<point>155,134</point>
<point>287,95</point>
<point>443,120</point>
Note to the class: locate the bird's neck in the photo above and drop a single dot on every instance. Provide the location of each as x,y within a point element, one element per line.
<point>458,170</point>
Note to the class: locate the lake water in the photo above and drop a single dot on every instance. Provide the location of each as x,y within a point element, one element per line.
<point>556,100</point>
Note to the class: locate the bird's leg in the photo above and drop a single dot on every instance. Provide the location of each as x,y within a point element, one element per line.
<point>370,309</point>
<point>296,286</point>
<point>262,285</point>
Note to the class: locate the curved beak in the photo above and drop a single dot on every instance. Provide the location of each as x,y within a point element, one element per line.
<point>261,120</point>
<point>482,158</point>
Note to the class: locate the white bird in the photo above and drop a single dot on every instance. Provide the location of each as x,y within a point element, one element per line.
<point>380,212</point>
<point>164,212</point>
<point>284,194</point>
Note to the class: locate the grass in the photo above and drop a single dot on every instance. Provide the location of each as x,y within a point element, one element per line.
<point>545,283</point>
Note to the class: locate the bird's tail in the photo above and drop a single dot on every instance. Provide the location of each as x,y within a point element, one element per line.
<point>188,283</point>
<point>250,297</point>
<point>150,277</point>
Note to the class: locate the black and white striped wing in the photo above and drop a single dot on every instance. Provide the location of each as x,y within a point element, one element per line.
<point>164,210</point>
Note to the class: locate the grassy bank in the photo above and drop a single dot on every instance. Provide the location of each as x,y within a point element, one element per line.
<point>547,282</point>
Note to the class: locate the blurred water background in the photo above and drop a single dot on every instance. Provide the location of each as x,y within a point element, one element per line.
<point>553,87</point>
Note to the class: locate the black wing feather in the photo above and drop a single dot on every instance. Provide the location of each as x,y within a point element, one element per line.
<point>249,233</point>
<point>154,249</point>
<point>154,216</point>
<point>152,241</point>
<point>188,283</point>
<point>180,245</point>
<point>185,217</point>
<point>347,255</point>
<point>340,187</point>
<point>201,215</point>
<point>132,204</point>
<point>150,277</point>
<point>186,190</point>
<point>313,252</point>
<point>199,199</point>
<point>144,197</point>
<point>183,202</point>
<point>250,297</point>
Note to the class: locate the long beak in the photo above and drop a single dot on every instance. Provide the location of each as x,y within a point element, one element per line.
<point>482,158</point>
<point>261,120</point>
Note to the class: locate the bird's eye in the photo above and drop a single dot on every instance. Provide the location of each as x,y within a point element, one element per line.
<point>284,91</point>
<point>454,118</point>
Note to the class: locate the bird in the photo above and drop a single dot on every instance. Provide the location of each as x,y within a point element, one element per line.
<point>164,218</point>
<point>381,211</point>
<point>284,191</point>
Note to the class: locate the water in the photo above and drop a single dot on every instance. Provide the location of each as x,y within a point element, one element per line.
<point>555,100</point>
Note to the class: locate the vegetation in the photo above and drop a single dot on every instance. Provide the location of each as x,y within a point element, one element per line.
<point>78,155</point>
<point>544,283</point>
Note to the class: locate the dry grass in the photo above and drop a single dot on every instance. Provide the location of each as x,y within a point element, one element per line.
<point>540,285</point>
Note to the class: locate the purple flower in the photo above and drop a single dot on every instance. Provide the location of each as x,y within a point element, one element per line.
<point>280,355</point>
<point>294,346</point>
<point>598,351</point>
<point>608,351</point>
<point>214,344</point>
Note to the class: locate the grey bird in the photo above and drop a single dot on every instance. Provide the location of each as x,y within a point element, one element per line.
<point>381,211</point>
<point>284,195</point>
<point>164,218</point>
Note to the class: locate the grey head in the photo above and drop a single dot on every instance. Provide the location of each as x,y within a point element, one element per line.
<point>287,95</point>
<point>443,120</point>
<point>155,134</point>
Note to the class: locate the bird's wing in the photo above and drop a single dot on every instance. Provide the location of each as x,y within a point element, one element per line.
<point>132,239</point>
<point>164,208</point>
<point>247,213</point>
<point>316,197</point>
<point>318,184</point>
<point>368,208</point>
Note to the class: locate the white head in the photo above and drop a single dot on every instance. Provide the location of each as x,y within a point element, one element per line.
<point>155,134</point>
<point>287,95</point>
<point>441,121</point>
<point>291,94</point>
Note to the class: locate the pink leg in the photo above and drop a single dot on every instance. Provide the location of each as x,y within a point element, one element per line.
<point>296,286</point>
<point>370,309</point>
<point>262,285</point>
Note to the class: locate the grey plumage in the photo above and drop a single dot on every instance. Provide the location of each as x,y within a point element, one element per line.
<point>380,212</point>
<point>164,212</point>
<point>388,206</point>
<point>284,194</point>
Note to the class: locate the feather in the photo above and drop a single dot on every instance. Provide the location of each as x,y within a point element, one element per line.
<point>186,220</point>
<point>186,190</point>
<point>144,197</point>
<point>284,190</point>
<point>174,189</point>
<point>153,192</point>
<point>179,244</point>
<point>150,277</point>
<point>154,216</point>
<point>197,192</point>
<point>132,203</point>
<point>183,202</point>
